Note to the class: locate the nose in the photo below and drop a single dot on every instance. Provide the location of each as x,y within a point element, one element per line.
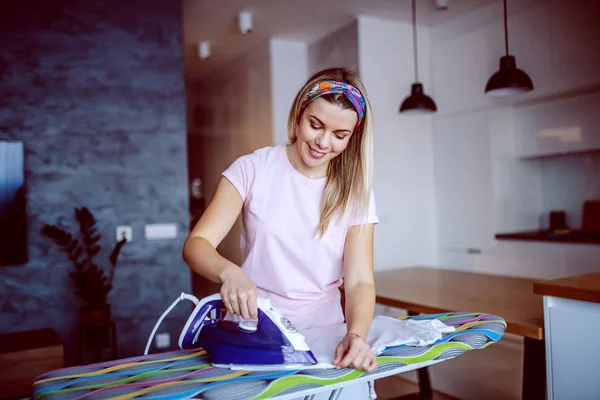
<point>323,140</point>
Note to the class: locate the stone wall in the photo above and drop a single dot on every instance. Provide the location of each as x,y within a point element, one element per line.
<point>95,91</point>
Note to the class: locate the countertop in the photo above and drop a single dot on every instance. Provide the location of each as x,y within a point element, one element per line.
<point>581,287</point>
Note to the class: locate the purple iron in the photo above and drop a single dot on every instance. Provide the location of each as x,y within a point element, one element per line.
<point>268,342</point>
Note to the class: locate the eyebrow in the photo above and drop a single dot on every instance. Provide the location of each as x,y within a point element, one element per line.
<point>337,130</point>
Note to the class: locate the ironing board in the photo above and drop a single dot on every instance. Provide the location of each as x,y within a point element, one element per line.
<point>187,374</point>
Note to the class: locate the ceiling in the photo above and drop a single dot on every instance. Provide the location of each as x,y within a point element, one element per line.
<point>305,20</point>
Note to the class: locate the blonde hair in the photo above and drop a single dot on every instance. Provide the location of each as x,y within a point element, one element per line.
<point>350,174</point>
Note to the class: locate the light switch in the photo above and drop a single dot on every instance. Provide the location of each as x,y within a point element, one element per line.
<point>160,231</point>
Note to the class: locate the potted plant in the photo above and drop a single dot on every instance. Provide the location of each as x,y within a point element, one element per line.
<point>92,284</point>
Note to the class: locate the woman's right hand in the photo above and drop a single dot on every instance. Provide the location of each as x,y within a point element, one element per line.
<point>239,293</point>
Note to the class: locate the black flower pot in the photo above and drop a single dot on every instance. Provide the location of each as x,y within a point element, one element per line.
<point>96,321</point>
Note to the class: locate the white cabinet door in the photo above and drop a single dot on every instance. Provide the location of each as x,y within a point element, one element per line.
<point>572,353</point>
<point>575,48</point>
<point>559,126</point>
<point>463,182</point>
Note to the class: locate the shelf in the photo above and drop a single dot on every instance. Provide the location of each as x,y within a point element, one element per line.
<point>545,236</point>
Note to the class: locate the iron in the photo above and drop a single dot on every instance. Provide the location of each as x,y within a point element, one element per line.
<point>268,342</point>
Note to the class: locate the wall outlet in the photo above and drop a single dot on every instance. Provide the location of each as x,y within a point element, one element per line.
<point>163,340</point>
<point>124,231</point>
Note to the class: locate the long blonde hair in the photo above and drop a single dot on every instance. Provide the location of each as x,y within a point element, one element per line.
<point>350,174</point>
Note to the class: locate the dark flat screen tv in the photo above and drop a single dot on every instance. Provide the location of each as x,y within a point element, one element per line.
<point>13,207</point>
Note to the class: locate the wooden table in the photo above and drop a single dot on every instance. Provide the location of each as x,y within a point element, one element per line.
<point>429,290</point>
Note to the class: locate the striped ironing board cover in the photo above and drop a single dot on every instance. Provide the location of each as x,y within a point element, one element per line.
<point>187,374</point>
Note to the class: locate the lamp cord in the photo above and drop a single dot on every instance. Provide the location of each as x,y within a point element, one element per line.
<point>414,21</point>
<point>505,29</point>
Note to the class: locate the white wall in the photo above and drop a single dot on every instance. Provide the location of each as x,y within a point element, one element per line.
<point>403,180</point>
<point>475,136</point>
<point>289,72</point>
<point>338,49</point>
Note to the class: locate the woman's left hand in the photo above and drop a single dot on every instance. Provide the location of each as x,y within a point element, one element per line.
<point>354,352</point>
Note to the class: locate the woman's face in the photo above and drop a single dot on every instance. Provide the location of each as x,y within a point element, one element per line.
<point>323,132</point>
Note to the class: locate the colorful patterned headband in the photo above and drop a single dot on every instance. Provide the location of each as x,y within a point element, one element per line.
<point>329,86</point>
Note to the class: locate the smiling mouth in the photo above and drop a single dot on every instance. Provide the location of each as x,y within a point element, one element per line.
<point>314,153</point>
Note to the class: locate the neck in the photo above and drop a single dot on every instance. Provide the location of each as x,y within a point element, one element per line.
<point>294,156</point>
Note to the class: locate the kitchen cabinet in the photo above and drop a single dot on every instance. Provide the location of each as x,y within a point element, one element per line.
<point>571,326</point>
<point>574,44</point>
<point>566,125</point>
<point>463,182</point>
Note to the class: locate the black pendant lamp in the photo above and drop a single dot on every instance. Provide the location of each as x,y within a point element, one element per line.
<point>509,80</point>
<point>418,101</point>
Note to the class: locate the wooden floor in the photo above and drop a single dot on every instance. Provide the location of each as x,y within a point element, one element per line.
<point>493,373</point>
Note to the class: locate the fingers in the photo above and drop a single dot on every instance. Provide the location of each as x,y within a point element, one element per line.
<point>248,304</point>
<point>359,359</point>
<point>239,295</point>
<point>373,364</point>
<point>369,363</point>
<point>252,306</point>
<point>233,303</point>
<point>356,354</point>
<point>242,299</point>
<point>351,354</point>
<point>226,302</point>
<point>230,300</point>
<point>242,303</point>
<point>339,353</point>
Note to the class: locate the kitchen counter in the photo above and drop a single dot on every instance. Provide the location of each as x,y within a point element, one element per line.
<point>581,287</point>
<point>571,326</point>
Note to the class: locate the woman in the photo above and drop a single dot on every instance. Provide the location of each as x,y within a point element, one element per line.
<point>308,219</point>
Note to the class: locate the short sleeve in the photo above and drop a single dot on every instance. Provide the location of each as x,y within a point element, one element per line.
<point>241,173</point>
<point>371,217</point>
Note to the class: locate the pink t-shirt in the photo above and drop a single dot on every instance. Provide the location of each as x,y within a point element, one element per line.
<point>300,271</point>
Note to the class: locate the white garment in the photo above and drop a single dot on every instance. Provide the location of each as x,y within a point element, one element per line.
<point>384,332</point>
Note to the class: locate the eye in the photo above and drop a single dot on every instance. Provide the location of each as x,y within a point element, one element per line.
<point>314,126</point>
<point>340,137</point>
